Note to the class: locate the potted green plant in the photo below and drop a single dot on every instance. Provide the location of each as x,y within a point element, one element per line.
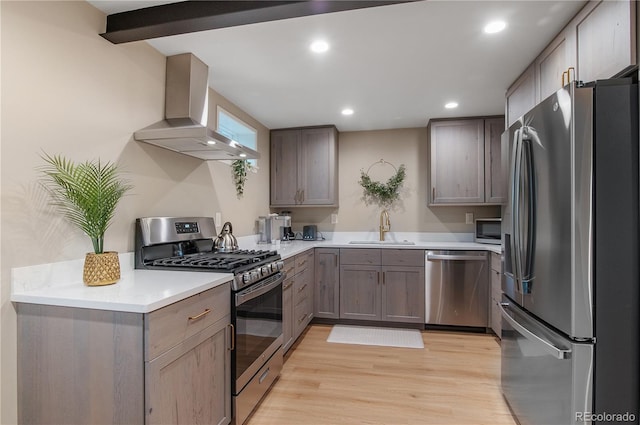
<point>87,194</point>
<point>239,168</point>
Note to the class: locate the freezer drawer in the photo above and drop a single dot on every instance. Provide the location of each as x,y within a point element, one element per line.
<point>457,288</point>
<point>546,378</point>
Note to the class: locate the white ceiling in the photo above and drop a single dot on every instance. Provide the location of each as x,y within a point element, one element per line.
<point>396,65</point>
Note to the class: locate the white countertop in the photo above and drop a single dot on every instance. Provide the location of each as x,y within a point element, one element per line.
<point>443,241</point>
<point>143,291</point>
<point>137,291</point>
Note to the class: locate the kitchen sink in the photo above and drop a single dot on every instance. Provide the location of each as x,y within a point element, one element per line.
<point>382,243</point>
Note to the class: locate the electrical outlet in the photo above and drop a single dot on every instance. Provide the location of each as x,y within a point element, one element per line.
<point>469,218</point>
<point>218,219</point>
<point>334,218</point>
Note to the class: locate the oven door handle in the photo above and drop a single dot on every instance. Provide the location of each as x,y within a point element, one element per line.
<point>259,289</point>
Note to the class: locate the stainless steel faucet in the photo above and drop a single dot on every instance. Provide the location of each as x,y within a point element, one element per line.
<point>385,224</point>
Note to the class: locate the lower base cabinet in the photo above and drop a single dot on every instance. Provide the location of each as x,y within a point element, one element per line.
<point>382,285</point>
<point>496,294</point>
<point>297,296</point>
<point>327,283</point>
<point>86,366</point>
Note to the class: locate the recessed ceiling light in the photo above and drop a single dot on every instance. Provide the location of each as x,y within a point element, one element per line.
<point>211,142</point>
<point>494,27</point>
<point>347,111</point>
<point>319,46</point>
<point>243,155</point>
<point>451,105</point>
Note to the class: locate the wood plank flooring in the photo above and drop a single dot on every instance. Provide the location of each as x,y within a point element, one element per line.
<point>455,379</point>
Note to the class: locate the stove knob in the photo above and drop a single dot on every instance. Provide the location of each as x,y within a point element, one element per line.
<point>279,265</point>
<point>246,277</point>
<point>266,270</point>
<point>255,274</point>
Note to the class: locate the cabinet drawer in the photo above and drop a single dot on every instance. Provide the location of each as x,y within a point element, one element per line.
<point>365,256</point>
<point>301,291</point>
<point>290,266</point>
<point>303,261</point>
<point>301,317</point>
<point>496,262</point>
<point>170,325</point>
<point>403,257</point>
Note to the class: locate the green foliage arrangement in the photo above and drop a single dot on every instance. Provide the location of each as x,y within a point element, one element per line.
<point>382,193</point>
<point>239,167</point>
<point>87,193</point>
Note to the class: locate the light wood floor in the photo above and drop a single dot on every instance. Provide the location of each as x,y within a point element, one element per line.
<point>455,379</point>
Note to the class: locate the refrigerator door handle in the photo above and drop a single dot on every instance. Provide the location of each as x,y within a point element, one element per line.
<point>527,243</point>
<point>558,353</point>
<point>515,168</point>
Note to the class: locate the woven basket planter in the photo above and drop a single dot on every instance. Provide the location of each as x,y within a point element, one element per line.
<point>101,269</point>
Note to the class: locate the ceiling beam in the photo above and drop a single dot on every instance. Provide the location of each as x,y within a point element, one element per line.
<point>192,16</point>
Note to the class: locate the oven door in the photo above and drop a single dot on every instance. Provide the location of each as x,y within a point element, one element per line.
<point>258,328</point>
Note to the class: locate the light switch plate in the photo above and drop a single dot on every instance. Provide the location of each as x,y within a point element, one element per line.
<point>469,218</point>
<point>334,218</point>
<point>218,219</point>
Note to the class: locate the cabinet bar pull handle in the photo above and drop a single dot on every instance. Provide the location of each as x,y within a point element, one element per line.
<point>384,275</point>
<point>264,375</point>
<point>302,289</point>
<point>198,316</point>
<point>233,337</point>
<point>302,318</point>
<point>433,194</point>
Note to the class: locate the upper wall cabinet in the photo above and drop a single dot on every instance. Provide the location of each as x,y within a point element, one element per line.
<point>521,96</point>
<point>606,34</point>
<point>465,161</point>
<point>599,42</point>
<point>304,167</point>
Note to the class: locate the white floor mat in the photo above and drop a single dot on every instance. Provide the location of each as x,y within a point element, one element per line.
<point>366,335</point>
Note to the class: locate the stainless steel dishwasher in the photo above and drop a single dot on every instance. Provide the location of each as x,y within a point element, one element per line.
<point>457,288</point>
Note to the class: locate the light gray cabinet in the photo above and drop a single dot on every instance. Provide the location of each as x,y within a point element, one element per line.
<point>303,292</point>
<point>360,292</point>
<point>496,293</point>
<point>304,167</point>
<point>287,304</point>
<point>605,33</point>
<point>297,296</point>
<point>521,96</point>
<point>494,179</point>
<point>598,43</point>
<point>550,66</point>
<point>465,161</point>
<point>81,366</point>
<point>382,284</point>
<point>327,283</point>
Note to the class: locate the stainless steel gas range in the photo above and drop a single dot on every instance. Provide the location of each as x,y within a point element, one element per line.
<point>187,243</point>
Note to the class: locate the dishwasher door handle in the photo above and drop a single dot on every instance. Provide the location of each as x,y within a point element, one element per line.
<point>447,257</point>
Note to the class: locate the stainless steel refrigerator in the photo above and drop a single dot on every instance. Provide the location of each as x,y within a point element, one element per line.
<point>570,333</point>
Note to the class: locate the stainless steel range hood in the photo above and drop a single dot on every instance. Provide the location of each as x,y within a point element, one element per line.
<point>184,128</point>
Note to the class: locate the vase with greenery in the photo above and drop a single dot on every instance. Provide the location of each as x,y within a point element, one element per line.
<point>239,168</point>
<point>87,194</point>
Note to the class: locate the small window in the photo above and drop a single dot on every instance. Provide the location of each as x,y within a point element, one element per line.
<point>236,129</point>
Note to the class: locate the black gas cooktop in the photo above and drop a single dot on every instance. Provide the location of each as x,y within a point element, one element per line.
<point>236,261</point>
